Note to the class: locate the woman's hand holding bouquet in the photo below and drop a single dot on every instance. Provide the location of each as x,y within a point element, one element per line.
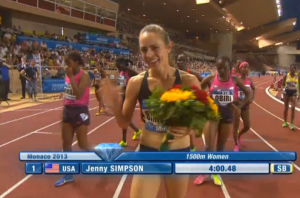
<point>182,109</point>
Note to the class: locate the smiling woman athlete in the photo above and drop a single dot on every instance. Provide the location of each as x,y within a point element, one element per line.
<point>155,47</point>
<point>222,88</point>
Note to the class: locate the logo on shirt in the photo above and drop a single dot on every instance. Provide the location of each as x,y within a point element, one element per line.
<point>152,124</point>
<point>241,94</point>
<point>84,116</point>
<point>69,92</point>
<point>223,96</point>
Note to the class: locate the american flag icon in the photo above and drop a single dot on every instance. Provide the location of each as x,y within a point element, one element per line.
<point>51,168</point>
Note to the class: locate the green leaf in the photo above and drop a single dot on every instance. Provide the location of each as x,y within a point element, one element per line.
<point>170,112</point>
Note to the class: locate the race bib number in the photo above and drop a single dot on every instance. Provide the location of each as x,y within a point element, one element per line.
<point>97,77</point>
<point>152,124</point>
<point>291,85</point>
<point>241,94</point>
<point>69,92</point>
<point>223,97</point>
<point>121,81</point>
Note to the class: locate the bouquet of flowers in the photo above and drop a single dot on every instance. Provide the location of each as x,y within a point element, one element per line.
<point>182,107</point>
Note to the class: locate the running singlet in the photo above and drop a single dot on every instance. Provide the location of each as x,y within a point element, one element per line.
<point>70,98</point>
<point>291,83</point>
<point>247,83</point>
<point>151,124</point>
<point>97,75</point>
<point>233,71</point>
<point>222,92</point>
<point>123,79</point>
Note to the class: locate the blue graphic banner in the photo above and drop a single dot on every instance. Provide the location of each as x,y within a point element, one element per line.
<point>207,156</point>
<point>99,39</point>
<point>81,47</point>
<point>126,168</point>
<point>53,85</point>
<point>61,168</point>
<point>111,154</point>
<point>254,73</point>
<point>205,74</point>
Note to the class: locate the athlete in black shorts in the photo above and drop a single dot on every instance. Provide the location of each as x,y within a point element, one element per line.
<point>123,66</point>
<point>290,84</point>
<point>99,74</point>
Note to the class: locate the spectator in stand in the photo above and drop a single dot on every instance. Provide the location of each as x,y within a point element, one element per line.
<point>23,66</point>
<point>32,76</point>
<point>4,68</point>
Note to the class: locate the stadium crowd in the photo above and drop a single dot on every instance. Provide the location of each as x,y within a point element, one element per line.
<point>14,52</point>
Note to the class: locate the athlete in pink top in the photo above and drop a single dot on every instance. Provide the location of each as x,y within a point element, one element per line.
<point>222,87</point>
<point>245,110</point>
<point>76,116</point>
<point>70,98</point>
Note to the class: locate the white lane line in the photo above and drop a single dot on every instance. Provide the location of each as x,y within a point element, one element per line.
<point>28,134</point>
<point>223,187</point>
<point>276,99</point>
<point>29,116</point>
<point>8,191</point>
<point>46,133</point>
<point>122,181</point>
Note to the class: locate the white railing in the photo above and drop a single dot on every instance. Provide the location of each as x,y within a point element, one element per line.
<point>75,8</point>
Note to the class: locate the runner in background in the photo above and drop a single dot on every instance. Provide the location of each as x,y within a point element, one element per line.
<point>182,65</point>
<point>125,74</point>
<point>76,115</point>
<point>99,74</point>
<point>290,85</point>
<point>235,70</point>
<point>245,110</point>
<point>222,88</point>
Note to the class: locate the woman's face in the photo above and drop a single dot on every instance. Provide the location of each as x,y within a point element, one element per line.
<point>223,67</point>
<point>293,69</point>
<point>245,69</point>
<point>70,63</point>
<point>154,50</point>
<point>99,67</point>
<point>181,62</point>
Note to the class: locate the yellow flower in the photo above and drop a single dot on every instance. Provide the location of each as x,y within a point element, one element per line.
<point>174,95</point>
<point>216,109</point>
<point>213,106</point>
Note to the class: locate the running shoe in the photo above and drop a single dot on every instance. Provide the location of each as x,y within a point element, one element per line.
<point>137,134</point>
<point>64,180</point>
<point>236,148</point>
<point>240,140</point>
<point>284,124</point>
<point>200,179</point>
<point>292,127</point>
<point>193,149</point>
<point>102,110</point>
<point>30,100</point>
<point>217,180</point>
<point>122,143</point>
<point>97,114</point>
